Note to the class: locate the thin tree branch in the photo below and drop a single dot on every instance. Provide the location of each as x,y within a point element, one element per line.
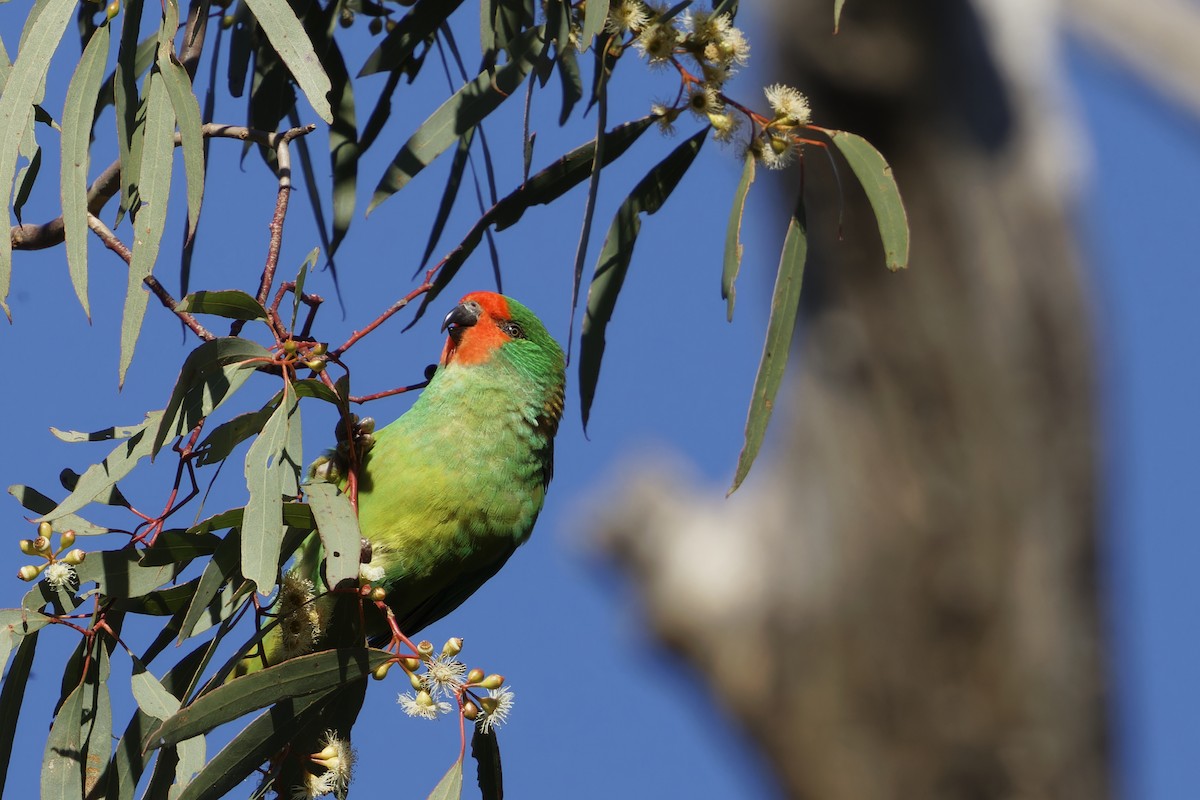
<point>193,36</point>
<point>32,236</point>
<point>157,289</point>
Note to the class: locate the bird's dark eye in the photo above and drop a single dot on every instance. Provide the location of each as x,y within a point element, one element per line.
<point>512,329</point>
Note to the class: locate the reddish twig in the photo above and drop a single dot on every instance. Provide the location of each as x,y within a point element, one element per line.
<point>366,398</point>
<point>283,160</point>
<point>157,289</point>
<point>392,309</point>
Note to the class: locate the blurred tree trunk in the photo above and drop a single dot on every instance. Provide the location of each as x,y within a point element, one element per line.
<point>904,604</point>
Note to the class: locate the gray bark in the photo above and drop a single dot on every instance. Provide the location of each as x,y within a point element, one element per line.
<point>906,607</point>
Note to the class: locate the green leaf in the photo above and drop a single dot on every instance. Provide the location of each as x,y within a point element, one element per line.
<point>572,83</point>
<point>217,572</point>
<point>837,13</point>
<point>62,765</point>
<point>287,36</point>
<point>343,147</point>
<point>593,22</point>
<point>44,28</point>
<point>129,759</point>
<point>338,525</point>
<point>733,232</point>
<point>458,166</point>
<point>485,749</point>
<point>99,479</point>
<point>785,306</point>
<point>297,677</point>
<point>258,741</point>
<point>102,435</point>
<point>306,266</point>
<point>130,111</point>
<point>546,186</point>
<point>177,547</point>
<point>450,786</point>
<point>647,197</point>
<point>465,109</point>
<point>39,503</point>
<point>69,479</point>
<point>11,696</point>
<point>187,111</point>
<point>210,374</point>
<point>267,464</point>
<point>151,696</point>
<point>225,437</point>
<point>228,303</point>
<point>160,602</point>
<point>417,26</point>
<point>15,624</point>
<point>877,181</point>
<point>118,573</point>
<point>154,187</point>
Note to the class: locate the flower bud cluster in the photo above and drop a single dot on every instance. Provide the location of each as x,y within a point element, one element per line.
<point>330,769</point>
<point>437,679</point>
<point>60,564</point>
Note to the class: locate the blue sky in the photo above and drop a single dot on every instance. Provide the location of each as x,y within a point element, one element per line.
<point>600,711</point>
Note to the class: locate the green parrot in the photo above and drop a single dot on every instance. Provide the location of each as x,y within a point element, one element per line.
<point>449,490</point>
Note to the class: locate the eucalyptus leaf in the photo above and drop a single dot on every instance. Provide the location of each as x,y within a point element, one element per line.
<point>417,26</point>
<point>338,525</point>
<point>646,198</point>
<point>266,472</point>
<point>78,110</point>
<point>878,182</point>
<point>450,786</point>
<point>100,479</point>
<point>12,694</point>
<point>785,306</point>
<point>288,38</point>
<point>228,303</point>
<point>733,233</point>
<point>465,109</point>
<point>210,375</point>
<point>39,503</point>
<point>154,188</point>
<point>44,29</point>
<point>305,675</point>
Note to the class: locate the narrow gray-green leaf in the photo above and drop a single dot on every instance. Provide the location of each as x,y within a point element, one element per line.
<point>187,112</point>
<point>647,197</point>
<point>152,698</point>
<point>785,306</point>
<point>339,531</point>
<point>265,470</point>
<point>450,786</point>
<point>228,303</point>
<point>304,675</point>
<point>100,478</point>
<point>43,31</point>
<point>465,109</point>
<point>62,765</point>
<point>396,48</point>
<point>210,375</point>
<point>154,189</point>
<point>102,435</point>
<point>343,147</point>
<point>266,735</point>
<point>219,443</point>
<point>287,36</point>
<point>16,623</point>
<point>39,503</point>
<point>593,22</point>
<point>733,233</point>
<point>12,694</point>
<point>837,14</point>
<point>878,182</point>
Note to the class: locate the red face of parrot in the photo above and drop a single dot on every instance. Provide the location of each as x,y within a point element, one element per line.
<point>478,326</point>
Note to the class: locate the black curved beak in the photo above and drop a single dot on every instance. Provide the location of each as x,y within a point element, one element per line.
<point>463,315</point>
